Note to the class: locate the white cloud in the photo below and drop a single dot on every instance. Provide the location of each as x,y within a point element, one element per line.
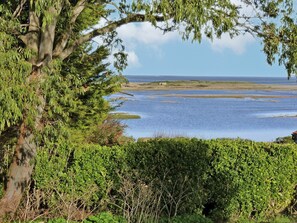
<point>137,35</point>
<point>133,59</point>
<point>145,33</point>
<point>237,44</point>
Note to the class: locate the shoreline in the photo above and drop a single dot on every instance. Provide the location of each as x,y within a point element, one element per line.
<point>204,85</point>
<point>239,96</point>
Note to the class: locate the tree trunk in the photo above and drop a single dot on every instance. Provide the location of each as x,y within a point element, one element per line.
<point>19,173</point>
<point>20,170</point>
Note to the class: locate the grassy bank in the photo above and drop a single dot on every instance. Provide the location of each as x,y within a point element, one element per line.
<point>122,116</point>
<point>205,85</point>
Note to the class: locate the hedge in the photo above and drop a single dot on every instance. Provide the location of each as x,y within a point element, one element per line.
<point>223,179</point>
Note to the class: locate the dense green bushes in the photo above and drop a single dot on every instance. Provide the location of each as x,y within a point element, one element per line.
<point>176,168</point>
<point>251,180</point>
<point>227,180</point>
<point>76,181</point>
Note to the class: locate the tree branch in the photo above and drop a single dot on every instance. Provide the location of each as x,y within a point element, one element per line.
<point>19,9</point>
<point>47,36</point>
<point>106,29</point>
<point>32,36</point>
<point>60,46</point>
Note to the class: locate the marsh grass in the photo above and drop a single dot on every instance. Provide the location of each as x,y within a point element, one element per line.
<point>124,116</point>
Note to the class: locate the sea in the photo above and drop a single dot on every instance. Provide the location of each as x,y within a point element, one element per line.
<point>169,114</point>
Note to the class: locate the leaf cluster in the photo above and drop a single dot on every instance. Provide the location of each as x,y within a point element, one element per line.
<point>192,18</point>
<point>14,96</point>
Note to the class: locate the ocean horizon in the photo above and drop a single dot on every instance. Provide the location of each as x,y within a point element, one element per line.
<point>259,80</point>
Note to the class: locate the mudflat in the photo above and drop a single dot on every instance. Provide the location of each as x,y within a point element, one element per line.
<point>204,85</point>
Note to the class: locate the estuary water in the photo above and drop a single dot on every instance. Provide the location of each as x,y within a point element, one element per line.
<point>258,80</point>
<point>263,118</point>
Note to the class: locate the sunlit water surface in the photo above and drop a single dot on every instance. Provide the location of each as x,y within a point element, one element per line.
<point>168,113</point>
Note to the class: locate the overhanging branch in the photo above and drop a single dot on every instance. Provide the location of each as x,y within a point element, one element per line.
<point>19,9</point>
<point>77,10</point>
<point>106,29</point>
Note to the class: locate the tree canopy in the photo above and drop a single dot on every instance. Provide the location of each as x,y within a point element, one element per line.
<point>52,74</point>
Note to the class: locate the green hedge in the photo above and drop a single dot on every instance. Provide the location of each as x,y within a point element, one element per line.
<point>83,175</point>
<point>177,168</point>
<point>225,179</point>
<point>222,179</point>
<point>249,179</point>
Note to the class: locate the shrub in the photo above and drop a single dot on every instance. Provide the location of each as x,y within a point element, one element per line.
<point>105,217</point>
<point>225,179</point>
<point>73,182</point>
<point>109,133</point>
<point>284,140</point>
<point>251,180</point>
<point>138,201</point>
<point>194,218</point>
<point>178,168</point>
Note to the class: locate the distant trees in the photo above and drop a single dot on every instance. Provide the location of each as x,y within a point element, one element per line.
<point>52,77</point>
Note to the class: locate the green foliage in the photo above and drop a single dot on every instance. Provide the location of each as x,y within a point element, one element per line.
<point>279,32</point>
<point>273,219</point>
<point>104,217</point>
<point>76,87</point>
<point>81,175</point>
<point>284,140</point>
<point>109,133</point>
<point>252,180</point>
<point>179,168</point>
<point>225,179</point>
<point>14,97</point>
<point>283,219</point>
<point>193,18</point>
<point>194,218</point>
<point>73,88</point>
<point>59,220</point>
<point>232,180</point>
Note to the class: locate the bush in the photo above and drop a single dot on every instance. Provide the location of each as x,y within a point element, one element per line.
<point>251,180</point>
<point>105,217</point>
<point>284,140</point>
<point>177,168</point>
<point>75,181</point>
<point>109,133</point>
<point>224,179</point>
<point>195,218</point>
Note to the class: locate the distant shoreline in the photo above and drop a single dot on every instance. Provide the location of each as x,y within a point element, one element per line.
<point>258,80</point>
<point>204,85</point>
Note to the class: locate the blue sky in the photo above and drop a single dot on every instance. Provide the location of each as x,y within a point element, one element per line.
<point>150,52</point>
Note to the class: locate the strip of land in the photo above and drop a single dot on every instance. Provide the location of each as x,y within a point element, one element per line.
<point>121,115</point>
<point>204,85</point>
<point>226,96</point>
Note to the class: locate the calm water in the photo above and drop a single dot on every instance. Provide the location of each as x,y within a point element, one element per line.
<point>259,80</point>
<point>163,112</point>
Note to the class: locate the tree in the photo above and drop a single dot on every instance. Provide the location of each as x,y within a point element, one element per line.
<point>278,31</point>
<point>43,45</point>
